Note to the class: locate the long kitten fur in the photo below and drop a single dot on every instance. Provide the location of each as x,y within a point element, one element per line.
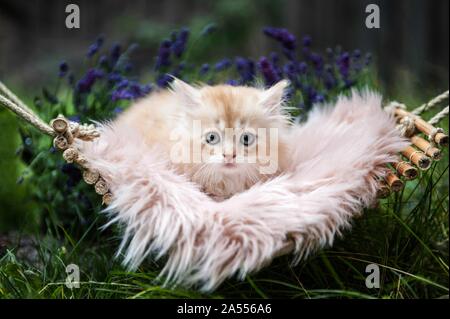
<point>218,130</point>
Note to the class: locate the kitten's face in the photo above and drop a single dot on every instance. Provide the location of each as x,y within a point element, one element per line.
<point>233,132</point>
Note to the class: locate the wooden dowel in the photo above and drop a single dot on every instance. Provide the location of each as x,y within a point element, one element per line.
<point>70,155</point>
<point>440,138</point>
<point>406,170</point>
<point>383,190</point>
<point>60,124</point>
<point>101,187</point>
<point>90,177</point>
<point>394,182</point>
<point>417,157</point>
<point>60,142</point>
<point>81,160</point>
<point>107,198</point>
<point>426,147</point>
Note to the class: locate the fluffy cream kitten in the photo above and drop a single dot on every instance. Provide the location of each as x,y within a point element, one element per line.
<point>224,138</point>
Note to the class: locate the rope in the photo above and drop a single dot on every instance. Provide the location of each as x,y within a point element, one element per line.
<point>12,102</point>
<point>438,117</point>
<point>29,117</point>
<point>13,98</point>
<point>433,102</point>
<point>390,108</point>
<point>406,124</point>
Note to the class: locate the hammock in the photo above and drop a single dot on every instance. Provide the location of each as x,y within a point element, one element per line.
<point>86,144</point>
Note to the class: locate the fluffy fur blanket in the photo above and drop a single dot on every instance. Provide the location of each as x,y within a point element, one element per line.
<point>338,156</point>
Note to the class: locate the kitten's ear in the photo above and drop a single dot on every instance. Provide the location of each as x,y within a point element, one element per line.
<point>187,93</point>
<point>272,98</point>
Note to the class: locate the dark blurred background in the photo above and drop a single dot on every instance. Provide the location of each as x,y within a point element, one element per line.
<point>410,48</point>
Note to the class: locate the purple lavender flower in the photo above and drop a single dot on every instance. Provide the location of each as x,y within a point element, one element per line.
<point>85,84</point>
<point>114,77</point>
<point>269,73</point>
<point>285,38</point>
<point>122,94</point>
<point>122,84</point>
<point>92,50</point>
<point>95,47</point>
<point>356,54</point>
<point>306,41</point>
<point>179,69</point>
<point>204,69</point>
<point>289,92</point>
<point>275,60</point>
<point>128,67</point>
<point>118,110</point>
<point>344,64</point>
<point>163,58</point>
<point>282,35</point>
<point>348,83</point>
<point>311,93</point>
<point>63,68</point>
<point>222,65</point>
<point>179,45</point>
<point>274,57</point>
<point>319,98</point>
<point>291,71</point>
<point>306,52</point>
<point>232,82</point>
<point>302,67</point>
<point>329,80</point>
<point>75,118</point>
<point>139,90</point>
<point>115,52</point>
<point>245,68</point>
<point>129,90</point>
<point>146,89</point>
<point>103,61</point>
<point>317,61</point>
<point>163,80</point>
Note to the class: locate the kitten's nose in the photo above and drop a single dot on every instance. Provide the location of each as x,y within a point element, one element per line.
<point>229,157</point>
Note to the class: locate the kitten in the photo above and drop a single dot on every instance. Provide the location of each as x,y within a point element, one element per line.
<point>224,138</point>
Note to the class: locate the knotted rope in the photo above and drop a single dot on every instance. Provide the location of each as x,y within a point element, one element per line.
<point>12,102</point>
<point>432,103</point>
<point>407,122</point>
<point>64,133</point>
<point>438,117</point>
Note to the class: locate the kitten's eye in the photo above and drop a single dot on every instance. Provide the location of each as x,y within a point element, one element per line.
<point>247,139</point>
<point>212,138</point>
